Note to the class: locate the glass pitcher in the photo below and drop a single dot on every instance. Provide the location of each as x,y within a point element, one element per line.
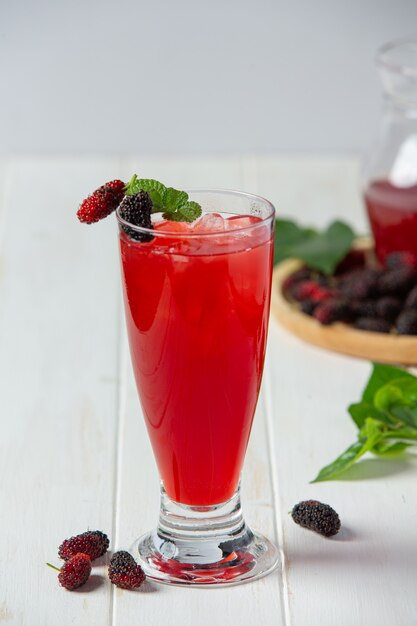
<point>390,171</point>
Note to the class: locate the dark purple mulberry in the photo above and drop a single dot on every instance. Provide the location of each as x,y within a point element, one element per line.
<point>363,308</point>
<point>360,284</point>
<point>355,259</point>
<point>316,516</point>
<point>373,325</point>
<point>311,290</point>
<point>75,571</point>
<point>308,307</point>
<point>93,542</point>
<point>388,308</point>
<point>294,279</point>
<point>332,311</point>
<point>397,281</point>
<point>411,300</point>
<point>407,322</point>
<point>124,572</point>
<point>136,210</point>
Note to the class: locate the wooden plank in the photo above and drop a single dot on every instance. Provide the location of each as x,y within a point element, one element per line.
<point>138,486</point>
<point>59,370</point>
<point>341,580</point>
<point>366,575</point>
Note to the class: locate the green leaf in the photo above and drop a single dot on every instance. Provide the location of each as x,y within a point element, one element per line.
<point>145,184</point>
<point>173,203</point>
<point>173,198</point>
<point>398,398</point>
<point>361,410</point>
<point>372,434</point>
<point>325,250</point>
<point>407,415</point>
<point>321,251</point>
<point>287,234</point>
<point>381,375</point>
<point>154,188</point>
<point>188,212</point>
<point>386,396</point>
<point>389,448</point>
<point>342,462</point>
<point>403,432</point>
<point>372,430</point>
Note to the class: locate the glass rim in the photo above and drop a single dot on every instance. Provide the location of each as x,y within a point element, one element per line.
<point>406,69</point>
<point>213,233</point>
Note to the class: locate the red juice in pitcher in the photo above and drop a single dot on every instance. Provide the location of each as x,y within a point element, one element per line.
<point>393,216</point>
<point>197,315</point>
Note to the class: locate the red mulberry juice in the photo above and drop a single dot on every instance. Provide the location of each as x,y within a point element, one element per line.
<point>197,314</point>
<point>393,216</point>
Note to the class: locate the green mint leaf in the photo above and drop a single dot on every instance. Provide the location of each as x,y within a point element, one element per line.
<point>361,410</point>
<point>372,434</point>
<point>324,251</point>
<point>389,448</point>
<point>173,198</point>
<point>144,184</point>
<point>188,212</point>
<point>342,462</point>
<point>371,430</point>
<point>130,186</point>
<point>382,374</point>
<point>173,203</point>
<point>406,415</point>
<point>400,392</point>
<point>398,399</point>
<point>404,432</point>
<point>287,234</point>
<point>154,188</point>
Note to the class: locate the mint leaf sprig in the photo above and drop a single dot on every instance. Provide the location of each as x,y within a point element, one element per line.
<point>386,417</point>
<point>321,251</point>
<point>173,204</point>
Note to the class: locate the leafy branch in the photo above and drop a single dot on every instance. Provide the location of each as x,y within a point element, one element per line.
<point>386,417</point>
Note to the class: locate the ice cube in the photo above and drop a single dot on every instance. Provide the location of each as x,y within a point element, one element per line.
<point>240,221</point>
<point>210,223</point>
<point>174,227</point>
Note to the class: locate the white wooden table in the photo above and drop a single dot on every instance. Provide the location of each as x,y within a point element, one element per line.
<point>74,453</point>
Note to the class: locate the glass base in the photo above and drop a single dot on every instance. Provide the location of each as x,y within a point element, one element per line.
<point>204,546</point>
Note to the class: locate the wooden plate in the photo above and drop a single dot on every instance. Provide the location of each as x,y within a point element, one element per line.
<point>338,337</point>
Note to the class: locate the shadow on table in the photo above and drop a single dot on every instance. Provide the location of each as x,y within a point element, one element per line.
<point>344,534</point>
<point>148,587</point>
<point>379,467</point>
<point>355,557</point>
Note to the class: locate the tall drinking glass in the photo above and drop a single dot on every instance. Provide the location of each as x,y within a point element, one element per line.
<point>197,305</point>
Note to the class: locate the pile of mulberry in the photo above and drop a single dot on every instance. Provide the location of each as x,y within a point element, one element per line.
<point>373,299</point>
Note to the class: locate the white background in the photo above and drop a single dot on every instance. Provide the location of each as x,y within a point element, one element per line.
<point>186,76</point>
